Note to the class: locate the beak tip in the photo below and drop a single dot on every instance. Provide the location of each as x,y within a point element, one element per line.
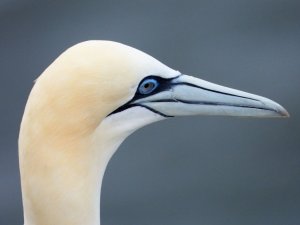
<point>283,112</point>
<point>280,111</point>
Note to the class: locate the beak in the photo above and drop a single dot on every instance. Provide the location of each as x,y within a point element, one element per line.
<point>187,95</point>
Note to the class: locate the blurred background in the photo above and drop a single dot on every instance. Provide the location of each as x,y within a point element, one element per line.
<point>196,170</point>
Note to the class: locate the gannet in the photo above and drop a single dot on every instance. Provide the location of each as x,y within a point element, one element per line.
<point>85,104</point>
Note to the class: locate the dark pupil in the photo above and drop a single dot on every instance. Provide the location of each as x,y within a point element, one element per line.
<point>148,85</point>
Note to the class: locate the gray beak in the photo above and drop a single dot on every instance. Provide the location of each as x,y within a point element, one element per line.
<point>188,95</point>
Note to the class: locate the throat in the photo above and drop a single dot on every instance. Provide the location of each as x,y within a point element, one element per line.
<point>63,186</point>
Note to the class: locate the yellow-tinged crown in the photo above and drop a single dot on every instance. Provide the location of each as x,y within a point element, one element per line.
<point>86,83</point>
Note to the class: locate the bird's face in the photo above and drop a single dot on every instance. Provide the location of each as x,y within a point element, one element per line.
<point>152,91</point>
<point>110,83</point>
<point>157,97</point>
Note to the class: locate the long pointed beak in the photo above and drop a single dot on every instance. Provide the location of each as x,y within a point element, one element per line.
<point>188,95</point>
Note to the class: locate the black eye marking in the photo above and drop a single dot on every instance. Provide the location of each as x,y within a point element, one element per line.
<point>154,84</point>
<point>150,85</point>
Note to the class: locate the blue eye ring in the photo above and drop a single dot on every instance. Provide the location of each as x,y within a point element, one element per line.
<point>148,86</point>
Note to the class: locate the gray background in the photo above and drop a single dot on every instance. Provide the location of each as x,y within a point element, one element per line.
<point>197,170</point>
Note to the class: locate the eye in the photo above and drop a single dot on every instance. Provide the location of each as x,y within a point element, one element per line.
<point>147,86</point>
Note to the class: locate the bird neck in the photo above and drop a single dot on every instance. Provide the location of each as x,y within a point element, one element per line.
<point>61,182</point>
<point>62,168</point>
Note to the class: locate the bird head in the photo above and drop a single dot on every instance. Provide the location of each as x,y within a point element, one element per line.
<point>97,81</point>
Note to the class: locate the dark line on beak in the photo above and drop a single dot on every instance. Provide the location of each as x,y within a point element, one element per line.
<point>207,89</point>
<point>152,110</point>
<point>213,104</point>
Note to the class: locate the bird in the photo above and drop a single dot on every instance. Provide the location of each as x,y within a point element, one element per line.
<point>83,106</point>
